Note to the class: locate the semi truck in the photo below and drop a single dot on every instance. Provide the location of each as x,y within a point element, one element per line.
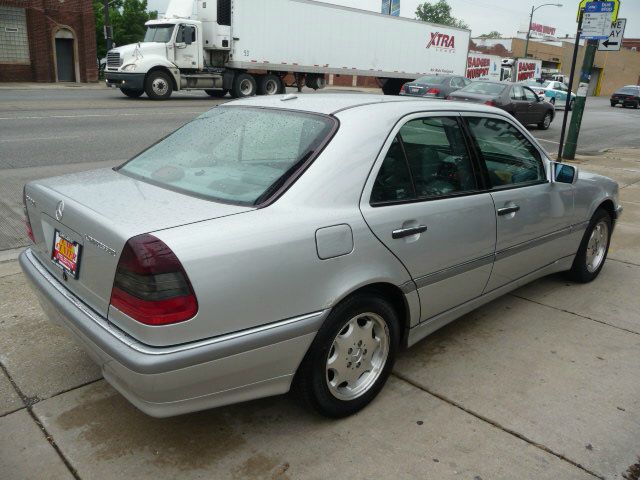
<point>521,69</point>
<point>248,47</point>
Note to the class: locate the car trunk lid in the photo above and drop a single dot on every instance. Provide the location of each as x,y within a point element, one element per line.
<point>99,211</point>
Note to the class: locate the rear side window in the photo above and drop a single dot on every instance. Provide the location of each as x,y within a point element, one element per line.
<point>428,159</point>
<point>511,159</point>
<point>233,154</point>
<point>517,93</point>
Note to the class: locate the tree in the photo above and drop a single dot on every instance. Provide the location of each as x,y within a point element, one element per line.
<point>439,12</point>
<point>493,34</point>
<point>127,20</point>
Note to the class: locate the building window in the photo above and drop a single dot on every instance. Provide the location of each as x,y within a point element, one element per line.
<point>14,42</point>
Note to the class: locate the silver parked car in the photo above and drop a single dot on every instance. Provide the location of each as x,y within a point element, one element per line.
<point>299,242</point>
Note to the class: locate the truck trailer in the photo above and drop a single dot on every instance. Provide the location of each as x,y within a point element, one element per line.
<point>247,47</point>
<point>521,69</point>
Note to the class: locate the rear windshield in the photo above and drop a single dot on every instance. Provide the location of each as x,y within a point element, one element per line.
<point>432,79</point>
<point>485,88</point>
<point>629,91</point>
<point>233,154</point>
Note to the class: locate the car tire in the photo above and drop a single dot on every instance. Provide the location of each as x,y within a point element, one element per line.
<point>269,85</point>
<point>362,331</point>
<point>217,93</point>
<point>132,93</point>
<point>244,85</point>
<point>593,249</point>
<point>553,101</point>
<point>158,85</point>
<point>613,104</point>
<point>546,121</point>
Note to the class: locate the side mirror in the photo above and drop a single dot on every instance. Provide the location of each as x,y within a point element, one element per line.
<point>563,173</point>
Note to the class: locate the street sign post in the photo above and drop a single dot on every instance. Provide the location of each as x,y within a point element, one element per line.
<point>597,19</point>
<point>614,42</point>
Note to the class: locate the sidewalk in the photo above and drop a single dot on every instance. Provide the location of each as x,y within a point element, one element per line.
<point>539,384</point>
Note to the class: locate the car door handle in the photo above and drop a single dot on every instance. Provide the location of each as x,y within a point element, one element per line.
<point>407,232</point>
<point>508,210</point>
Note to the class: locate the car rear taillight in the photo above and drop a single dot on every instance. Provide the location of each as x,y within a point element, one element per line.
<point>404,88</point>
<point>433,91</point>
<point>491,103</point>
<point>151,285</point>
<point>27,222</point>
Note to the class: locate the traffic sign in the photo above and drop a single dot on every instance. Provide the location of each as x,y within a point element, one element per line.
<point>614,42</point>
<point>596,21</point>
<point>583,3</point>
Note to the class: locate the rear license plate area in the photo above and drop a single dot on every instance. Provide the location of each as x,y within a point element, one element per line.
<point>66,253</point>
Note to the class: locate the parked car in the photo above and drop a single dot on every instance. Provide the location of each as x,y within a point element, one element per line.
<point>302,241</point>
<point>554,92</point>
<point>519,101</point>
<point>627,96</point>
<point>436,86</point>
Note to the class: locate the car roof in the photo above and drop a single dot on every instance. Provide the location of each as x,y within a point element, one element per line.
<point>332,103</point>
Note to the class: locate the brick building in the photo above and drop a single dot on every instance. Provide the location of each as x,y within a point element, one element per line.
<point>47,41</point>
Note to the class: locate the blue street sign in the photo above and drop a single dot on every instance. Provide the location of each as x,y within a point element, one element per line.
<point>596,22</point>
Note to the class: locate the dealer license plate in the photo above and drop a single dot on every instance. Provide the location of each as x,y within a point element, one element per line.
<point>66,254</point>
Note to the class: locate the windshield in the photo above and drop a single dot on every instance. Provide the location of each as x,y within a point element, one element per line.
<point>484,88</point>
<point>629,90</point>
<point>159,33</point>
<point>432,79</point>
<point>233,154</point>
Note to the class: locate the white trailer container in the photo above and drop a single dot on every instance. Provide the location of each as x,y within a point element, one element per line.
<point>247,47</point>
<point>483,67</point>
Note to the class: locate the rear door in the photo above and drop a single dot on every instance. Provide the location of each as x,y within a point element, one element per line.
<point>424,201</point>
<point>533,215</point>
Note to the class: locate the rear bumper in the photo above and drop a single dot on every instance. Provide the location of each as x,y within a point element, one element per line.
<point>132,81</point>
<point>167,381</point>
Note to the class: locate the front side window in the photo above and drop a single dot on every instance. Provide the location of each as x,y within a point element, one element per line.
<point>159,33</point>
<point>183,31</point>
<point>510,158</point>
<point>234,154</point>
<point>428,159</point>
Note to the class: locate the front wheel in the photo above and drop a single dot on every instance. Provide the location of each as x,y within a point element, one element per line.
<point>158,85</point>
<point>546,121</point>
<point>553,101</point>
<point>613,104</point>
<point>593,248</point>
<point>132,93</point>
<point>351,357</point>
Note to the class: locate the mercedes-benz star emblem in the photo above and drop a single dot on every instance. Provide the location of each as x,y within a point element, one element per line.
<point>60,210</point>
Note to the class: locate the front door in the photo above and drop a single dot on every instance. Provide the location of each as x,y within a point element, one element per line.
<point>537,109</point>
<point>64,60</point>
<point>533,215</point>
<point>186,47</point>
<point>520,104</point>
<point>424,202</point>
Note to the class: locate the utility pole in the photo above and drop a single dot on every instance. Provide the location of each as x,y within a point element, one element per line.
<point>581,99</point>
<point>576,47</point>
<point>108,31</point>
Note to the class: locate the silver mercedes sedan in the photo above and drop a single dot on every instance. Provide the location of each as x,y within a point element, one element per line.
<point>299,242</point>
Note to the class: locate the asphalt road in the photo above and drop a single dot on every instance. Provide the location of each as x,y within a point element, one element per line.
<point>49,131</point>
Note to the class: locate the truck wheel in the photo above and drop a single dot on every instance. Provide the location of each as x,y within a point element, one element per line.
<point>158,86</point>
<point>217,93</point>
<point>132,93</point>
<point>269,85</point>
<point>244,85</point>
<point>316,82</point>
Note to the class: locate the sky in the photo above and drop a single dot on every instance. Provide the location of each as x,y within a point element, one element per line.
<point>507,17</point>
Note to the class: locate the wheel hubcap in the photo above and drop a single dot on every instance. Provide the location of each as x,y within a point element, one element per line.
<point>246,88</point>
<point>357,356</point>
<point>271,87</point>
<point>547,120</point>
<point>159,86</point>
<point>597,246</point>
